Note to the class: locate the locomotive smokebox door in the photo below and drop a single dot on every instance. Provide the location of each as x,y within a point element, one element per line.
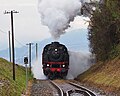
<point>25,60</point>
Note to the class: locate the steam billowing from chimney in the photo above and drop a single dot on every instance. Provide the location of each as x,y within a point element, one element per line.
<point>57,14</point>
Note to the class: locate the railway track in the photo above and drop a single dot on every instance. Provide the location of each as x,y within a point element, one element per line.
<point>57,88</point>
<point>67,88</point>
<point>60,91</point>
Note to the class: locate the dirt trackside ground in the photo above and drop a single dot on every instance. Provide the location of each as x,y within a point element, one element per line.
<point>105,76</point>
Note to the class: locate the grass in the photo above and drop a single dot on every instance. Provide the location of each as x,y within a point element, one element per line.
<point>9,87</point>
<point>105,75</point>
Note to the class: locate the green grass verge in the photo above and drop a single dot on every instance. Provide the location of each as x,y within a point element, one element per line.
<point>9,87</point>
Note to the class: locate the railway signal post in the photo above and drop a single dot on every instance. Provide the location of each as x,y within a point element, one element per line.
<point>26,62</point>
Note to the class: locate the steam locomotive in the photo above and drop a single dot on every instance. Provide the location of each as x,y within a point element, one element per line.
<point>55,60</point>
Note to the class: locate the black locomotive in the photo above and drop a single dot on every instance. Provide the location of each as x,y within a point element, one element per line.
<point>55,60</point>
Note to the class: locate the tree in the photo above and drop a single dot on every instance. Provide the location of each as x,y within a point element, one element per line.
<point>104,30</point>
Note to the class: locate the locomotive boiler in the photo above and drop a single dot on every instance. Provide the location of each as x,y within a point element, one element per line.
<point>55,60</point>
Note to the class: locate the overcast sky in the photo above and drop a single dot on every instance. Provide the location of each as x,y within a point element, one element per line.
<point>27,23</point>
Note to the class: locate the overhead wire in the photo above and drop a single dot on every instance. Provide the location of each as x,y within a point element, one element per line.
<point>21,57</point>
<point>22,45</point>
<point>14,38</point>
<point>2,31</point>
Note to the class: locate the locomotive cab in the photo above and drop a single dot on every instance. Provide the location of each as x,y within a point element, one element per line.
<point>55,60</point>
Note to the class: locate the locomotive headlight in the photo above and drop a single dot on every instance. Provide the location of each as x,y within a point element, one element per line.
<point>63,65</point>
<point>48,65</point>
<point>56,49</point>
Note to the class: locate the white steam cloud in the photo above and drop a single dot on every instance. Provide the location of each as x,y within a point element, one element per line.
<point>79,62</point>
<point>57,14</point>
<point>37,70</point>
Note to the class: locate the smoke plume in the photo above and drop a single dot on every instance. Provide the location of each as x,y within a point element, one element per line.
<point>37,70</point>
<point>57,14</point>
<point>79,62</point>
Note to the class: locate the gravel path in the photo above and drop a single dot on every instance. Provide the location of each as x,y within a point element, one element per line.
<point>96,90</point>
<point>41,88</point>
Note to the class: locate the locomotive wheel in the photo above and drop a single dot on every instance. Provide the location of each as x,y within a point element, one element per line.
<point>50,76</point>
<point>65,73</point>
<point>45,72</point>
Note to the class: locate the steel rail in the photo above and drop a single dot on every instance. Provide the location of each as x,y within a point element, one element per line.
<point>85,93</point>
<point>60,91</point>
<point>83,88</point>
